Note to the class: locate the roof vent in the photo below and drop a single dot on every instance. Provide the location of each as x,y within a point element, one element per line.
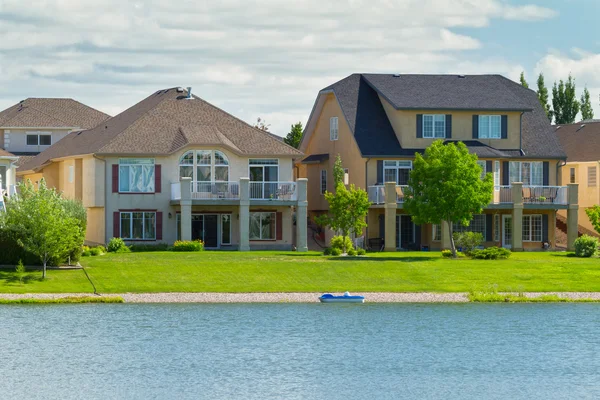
<point>461,76</point>
<point>396,75</point>
<point>189,91</point>
<point>580,128</point>
<point>179,90</point>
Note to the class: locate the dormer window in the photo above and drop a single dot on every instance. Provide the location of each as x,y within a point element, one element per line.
<point>490,127</point>
<point>333,128</point>
<point>434,126</point>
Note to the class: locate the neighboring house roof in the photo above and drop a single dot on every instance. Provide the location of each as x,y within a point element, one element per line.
<point>581,141</point>
<point>51,113</point>
<point>315,159</point>
<point>4,153</point>
<point>358,97</point>
<point>163,123</point>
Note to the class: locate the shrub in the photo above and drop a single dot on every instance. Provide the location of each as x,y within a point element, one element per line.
<point>352,252</point>
<point>20,271</point>
<point>327,251</point>
<point>586,246</point>
<point>491,253</point>
<point>448,254</point>
<point>143,248</point>
<point>86,253</point>
<point>336,252</point>
<point>337,242</point>
<point>468,240</point>
<point>117,245</point>
<point>361,252</point>
<point>96,251</point>
<point>188,245</point>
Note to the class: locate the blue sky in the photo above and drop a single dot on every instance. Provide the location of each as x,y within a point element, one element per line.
<point>269,58</point>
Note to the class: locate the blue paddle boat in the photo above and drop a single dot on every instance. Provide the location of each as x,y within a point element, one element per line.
<point>345,298</point>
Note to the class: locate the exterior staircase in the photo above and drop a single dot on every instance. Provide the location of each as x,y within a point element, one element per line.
<point>561,231</point>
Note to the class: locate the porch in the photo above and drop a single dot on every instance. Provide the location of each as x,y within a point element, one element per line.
<point>206,192</point>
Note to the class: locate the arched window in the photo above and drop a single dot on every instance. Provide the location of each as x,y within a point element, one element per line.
<point>204,166</point>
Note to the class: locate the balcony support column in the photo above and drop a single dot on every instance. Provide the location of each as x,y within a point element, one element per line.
<point>301,215</point>
<point>186,209</point>
<point>572,215</point>
<point>244,227</point>
<point>390,206</point>
<point>517,216</point>
<point>445,243</point>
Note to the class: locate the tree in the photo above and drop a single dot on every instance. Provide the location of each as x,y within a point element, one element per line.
<point>587,112</point>
<point>542,93</point>
<point>262,125</point>
<point>294,136</point>
<point>564,103</point>
<point>44,223</point>
<point>348,207</point>
<point>523,81</point>
<point>445,185</point>
<point>338,171</point>
<point>593,214</point>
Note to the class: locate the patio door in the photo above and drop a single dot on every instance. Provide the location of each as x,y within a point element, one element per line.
<point>205,227</point>
<point>405,232</point>
<point>264,174</point>
<point>507,231</point>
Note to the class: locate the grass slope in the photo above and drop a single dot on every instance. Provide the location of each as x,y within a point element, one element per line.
<point>313,272</point>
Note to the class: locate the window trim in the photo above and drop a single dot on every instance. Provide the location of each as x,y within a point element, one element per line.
<point>230,229</point>
<point>323,181</point>
<point>334,129</point>
<point>572,175</point>
<point>489,130</point>
<point>520,163</point>
<point>435,228</point>
<point>497,175</point>
<point>530,233</point>
<point>38,135</point>
<point>131,225</point>
<point>433,136</point>
<point>195,164</point>
<point>483,165</point>
<point>127,164</point>
<point>398,164</point>
<point>274,221</point>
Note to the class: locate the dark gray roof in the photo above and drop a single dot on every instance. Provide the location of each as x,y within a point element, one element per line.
<point>484,151</point>
<point>315,159</point>
<point>447,92</point>
<point>358,97</point>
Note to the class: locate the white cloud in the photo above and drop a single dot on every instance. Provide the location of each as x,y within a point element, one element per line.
<point>266,58</point>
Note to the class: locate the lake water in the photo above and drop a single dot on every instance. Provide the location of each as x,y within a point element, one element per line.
<point>300,351</point>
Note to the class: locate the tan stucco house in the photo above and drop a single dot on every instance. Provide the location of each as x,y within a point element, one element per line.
<point>377,122</point>
<point>172,167</point>
<point>581,142</point>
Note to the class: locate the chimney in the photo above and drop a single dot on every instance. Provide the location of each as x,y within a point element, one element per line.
<point>189,91</point>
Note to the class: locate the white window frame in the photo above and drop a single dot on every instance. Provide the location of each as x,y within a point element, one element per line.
<point>528,235</point>
<point>213,164</point>
<point>435,229</point>
<point>137,162</point>
<point>435,118</point>
<point>273,219</point>
<point>539,164</point>
<point>38,136</point>
<point>131,224</point>
<point>487,132</point>
<point>323,181</point>
<point>396,165</point>
<point>483,165</point>
<point>497,175</point>
<point>333,128</point>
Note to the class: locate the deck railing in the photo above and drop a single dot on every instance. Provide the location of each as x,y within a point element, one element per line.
<point>376,193</point>
<point>503,194</point>
<point>208,190</point>
<point>545,195</point>
<point>273,190</point>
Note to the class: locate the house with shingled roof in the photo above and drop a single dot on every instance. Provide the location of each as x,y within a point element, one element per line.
<point>175,167</point>
<point>377,122</point>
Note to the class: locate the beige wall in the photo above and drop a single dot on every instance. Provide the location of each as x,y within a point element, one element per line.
<point>588,195</point>
<point>404,123</point>
<point>320,143</point>
<point>95,225</point>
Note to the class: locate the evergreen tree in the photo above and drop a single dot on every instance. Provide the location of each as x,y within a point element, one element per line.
<point>587,112</point>
<point>542,92</point>
<point>294,136</point>
<point>523,81</point>
<point>564,103</point>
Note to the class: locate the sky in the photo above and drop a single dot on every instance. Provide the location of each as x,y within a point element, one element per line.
<point>270,58</point>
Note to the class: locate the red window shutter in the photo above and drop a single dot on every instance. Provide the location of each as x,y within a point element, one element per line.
<point>278,226</point>
<point>115,178</point>
<point>116,224</point>
<point>157,179</point>
<point>159,223</point>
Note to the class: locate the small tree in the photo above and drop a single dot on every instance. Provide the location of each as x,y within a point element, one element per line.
<point>44,223</point>
<point>593,214</point>
<point>294,136</point>
<point>542,92</point>
<point>523,81</point>
<point>445,185</point>
<point>348,207</point>
<point>564,102</point>
<point>587,112</point>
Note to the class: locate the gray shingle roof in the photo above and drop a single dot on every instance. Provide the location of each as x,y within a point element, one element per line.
<point>315,159</point>
<point>358,97</point>
<point>51,113</point>
<point>163,123</point>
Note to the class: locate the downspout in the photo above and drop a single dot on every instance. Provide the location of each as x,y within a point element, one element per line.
<point>559,165</point>
<point>521,133</point>
<point>367,189</point>
<point>106,219</point>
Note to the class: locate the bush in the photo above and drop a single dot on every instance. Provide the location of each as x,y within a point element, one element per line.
<point>467,240</point>
<point>143,248</point>
<point>195,245</point>
<point>361,252</point>
<point>448,254</point>
<point>117,245</point>
<point>336,252</point>
<point>337,242</point>
<point>96,251</point>
<point>352,252</point>
<point>86,253</point>
<point>586,246</point>
<point>491,253</point>
<point>327,251</point>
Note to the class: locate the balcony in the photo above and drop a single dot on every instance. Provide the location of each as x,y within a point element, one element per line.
<point>377,194</point>
<point>210,191</point>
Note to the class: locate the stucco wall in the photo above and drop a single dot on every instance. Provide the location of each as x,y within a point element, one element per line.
<point>95,233</point>
<point>15,140</point>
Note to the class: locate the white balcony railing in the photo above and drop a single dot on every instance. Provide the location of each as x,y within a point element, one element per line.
<point>273,191</point>
<point>376,193</point>
<point>208,190</point>
<point>545,195</point>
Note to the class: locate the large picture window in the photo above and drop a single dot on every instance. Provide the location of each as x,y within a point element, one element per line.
<point>262,225</point>
<point>204,166</point>
<point>396,171</point>
<point>136,175</point>
<point>39,139</point>
<point>529,173</point>
<point>490,126</point>
<point>532,228</point>
<point>138,225</point>
<point>434,126</point>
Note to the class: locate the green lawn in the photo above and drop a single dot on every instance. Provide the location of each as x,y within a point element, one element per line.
<point>312,272</point>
